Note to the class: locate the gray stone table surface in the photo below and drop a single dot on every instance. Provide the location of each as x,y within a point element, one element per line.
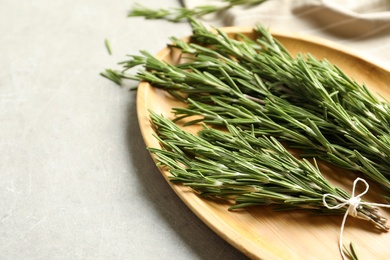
<point>76,181</point>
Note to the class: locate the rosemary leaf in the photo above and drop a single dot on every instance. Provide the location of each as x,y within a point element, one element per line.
<point>108,46</point>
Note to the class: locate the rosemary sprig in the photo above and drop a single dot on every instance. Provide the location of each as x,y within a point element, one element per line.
<point>182,13</point>
<point>251,170</point>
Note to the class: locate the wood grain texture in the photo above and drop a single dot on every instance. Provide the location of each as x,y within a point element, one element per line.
<point>259,232</point>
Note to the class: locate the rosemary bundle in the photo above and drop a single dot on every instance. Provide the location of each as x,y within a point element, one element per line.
<point>262,96</point>
<point>237,165</point>
<point>311,105</point>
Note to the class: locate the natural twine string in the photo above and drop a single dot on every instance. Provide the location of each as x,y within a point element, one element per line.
<point>352,203</point>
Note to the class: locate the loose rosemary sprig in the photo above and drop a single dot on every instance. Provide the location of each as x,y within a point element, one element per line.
<point>182,13</point>
<point>251,170</point>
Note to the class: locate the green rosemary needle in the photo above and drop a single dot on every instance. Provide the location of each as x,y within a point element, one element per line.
<point>251,170</point>
<point>351,251</point>
<point>108,46</point>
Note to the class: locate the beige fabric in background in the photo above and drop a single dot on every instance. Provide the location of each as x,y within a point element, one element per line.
<point>362,25</point>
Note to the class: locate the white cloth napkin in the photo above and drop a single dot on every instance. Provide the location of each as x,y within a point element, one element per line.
<point>362,25</point>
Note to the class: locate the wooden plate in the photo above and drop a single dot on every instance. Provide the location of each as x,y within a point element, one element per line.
<point>259,232</point>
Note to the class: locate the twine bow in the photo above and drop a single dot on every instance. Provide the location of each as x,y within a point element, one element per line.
<point>353,203</point>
